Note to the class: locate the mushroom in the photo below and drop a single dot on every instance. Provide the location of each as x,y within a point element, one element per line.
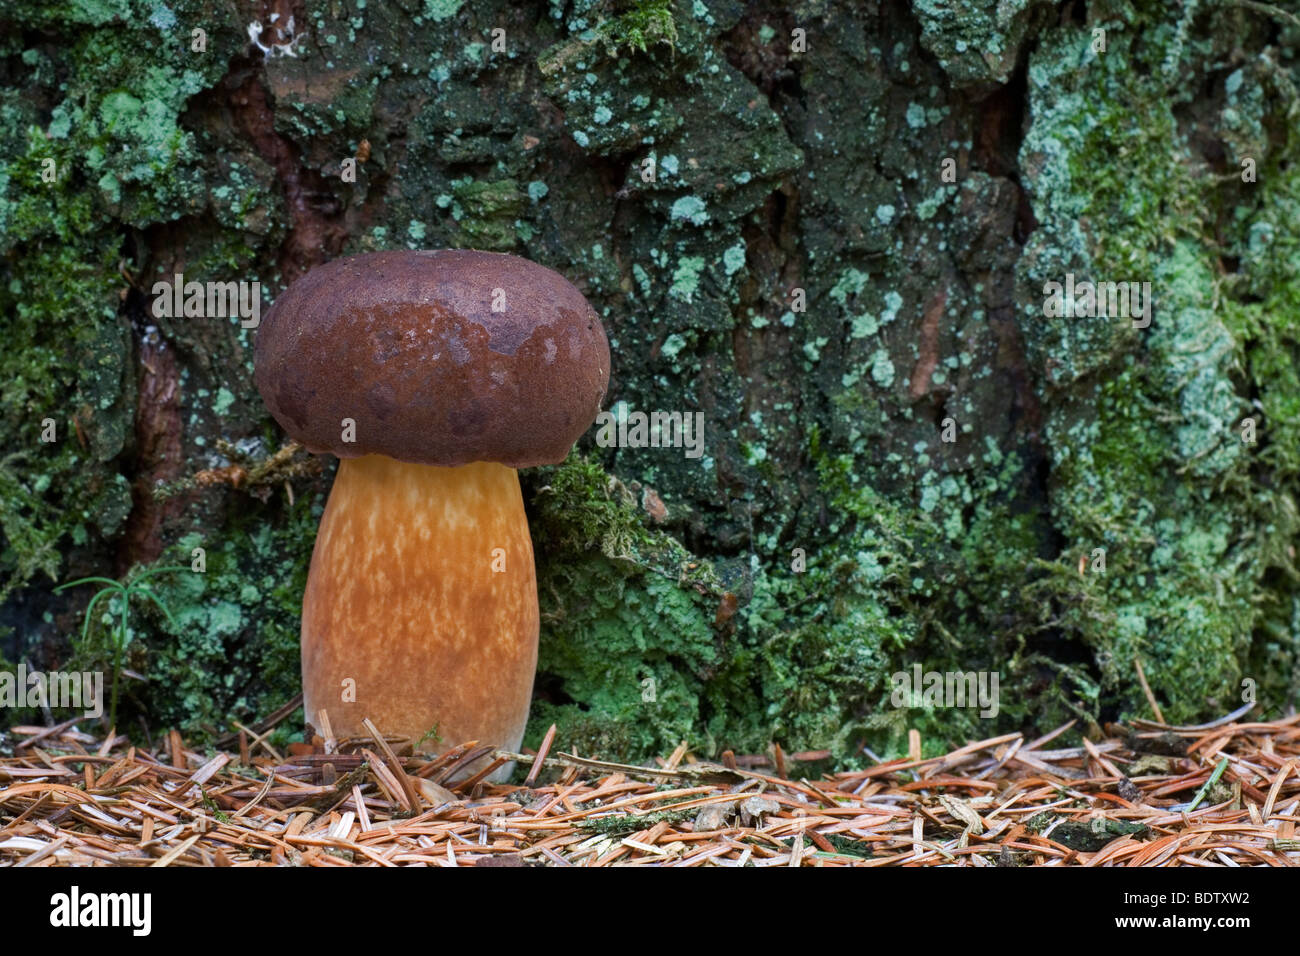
<point>432,376</point>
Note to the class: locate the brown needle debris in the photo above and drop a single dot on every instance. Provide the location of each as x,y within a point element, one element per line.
<point>1132,799</point>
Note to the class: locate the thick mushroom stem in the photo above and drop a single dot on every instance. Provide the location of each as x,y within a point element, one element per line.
<point>421,605</point>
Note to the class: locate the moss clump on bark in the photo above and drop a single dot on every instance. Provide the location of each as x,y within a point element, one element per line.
<point>1146,427</point>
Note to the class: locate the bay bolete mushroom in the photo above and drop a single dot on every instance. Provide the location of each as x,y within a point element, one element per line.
<point>432,376</point>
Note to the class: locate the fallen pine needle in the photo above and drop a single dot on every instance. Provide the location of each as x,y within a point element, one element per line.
<point>1057,800</point>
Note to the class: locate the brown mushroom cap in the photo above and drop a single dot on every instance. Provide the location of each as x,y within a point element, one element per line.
<point>408,346</point>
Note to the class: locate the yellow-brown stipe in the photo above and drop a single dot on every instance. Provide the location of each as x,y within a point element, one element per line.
<point>403,599</point>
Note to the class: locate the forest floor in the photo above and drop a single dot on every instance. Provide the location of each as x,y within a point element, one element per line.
<point>1220,794</point>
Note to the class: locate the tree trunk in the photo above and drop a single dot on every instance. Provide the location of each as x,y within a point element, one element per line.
<point>830,229</point>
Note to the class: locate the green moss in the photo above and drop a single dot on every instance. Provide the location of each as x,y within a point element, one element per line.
<point>648,23</point>
<point>1148,459</point>
<point>66,361</point>
<point>120,159</point>
<point>621,605</point>
<point>489,211</point>
<point>234,651</point>
<point>634,656</point>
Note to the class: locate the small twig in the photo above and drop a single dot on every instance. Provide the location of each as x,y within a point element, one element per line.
<point>342,787</point>
<point>47,732</point>
<point>266,788</point>
<point>1146,689</point>
<point>260,741</point>
<point>1241,711</point>
<point>326,730</point>
<point>266,725</point>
